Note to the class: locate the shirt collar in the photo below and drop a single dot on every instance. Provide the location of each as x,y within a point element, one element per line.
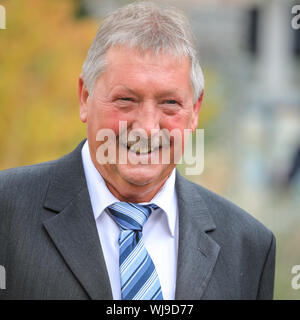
<point>101,197</point>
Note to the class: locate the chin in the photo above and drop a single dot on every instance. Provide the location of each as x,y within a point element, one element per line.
<point>141,175</point>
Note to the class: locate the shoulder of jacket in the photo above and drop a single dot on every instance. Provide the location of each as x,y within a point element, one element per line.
<point>228,216</point>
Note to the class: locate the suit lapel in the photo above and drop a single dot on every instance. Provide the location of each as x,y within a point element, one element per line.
<point>73,229</point>
<point>197,251</point>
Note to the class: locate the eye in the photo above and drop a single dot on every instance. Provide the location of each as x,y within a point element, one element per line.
<point>170,101</point>
<point>125,102</point>
<point>126,99</point>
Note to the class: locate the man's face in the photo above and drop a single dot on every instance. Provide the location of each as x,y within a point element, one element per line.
<point>149,92</point>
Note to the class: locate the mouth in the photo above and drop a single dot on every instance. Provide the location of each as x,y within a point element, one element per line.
<point>141,146</point>
<point>142,149</point>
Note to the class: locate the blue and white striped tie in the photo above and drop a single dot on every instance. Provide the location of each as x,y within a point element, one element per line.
<point>139,279</point>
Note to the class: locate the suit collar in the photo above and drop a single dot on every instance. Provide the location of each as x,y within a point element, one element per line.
<point>66,181</point>
<point>73,230</point>
<point>197,251</point>
<point>189,198</point>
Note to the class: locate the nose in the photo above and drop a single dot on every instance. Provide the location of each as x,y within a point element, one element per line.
<point>147,118</point>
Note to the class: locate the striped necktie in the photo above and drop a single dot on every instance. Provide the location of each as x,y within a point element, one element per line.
<point>139,279</point>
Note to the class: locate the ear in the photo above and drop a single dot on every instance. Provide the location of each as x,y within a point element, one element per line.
<point>196,110</point>
<point>83,96</point>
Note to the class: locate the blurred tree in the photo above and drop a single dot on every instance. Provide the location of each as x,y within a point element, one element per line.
<point>41,54</point>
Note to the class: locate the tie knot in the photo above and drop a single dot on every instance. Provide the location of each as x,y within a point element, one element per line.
<point>130,216</point>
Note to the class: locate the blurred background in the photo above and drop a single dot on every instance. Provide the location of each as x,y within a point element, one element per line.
<point>250,56</point>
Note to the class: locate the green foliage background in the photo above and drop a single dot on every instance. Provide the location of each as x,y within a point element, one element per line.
<point>41,54</point>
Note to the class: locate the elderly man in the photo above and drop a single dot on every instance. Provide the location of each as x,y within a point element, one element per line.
<point>81,227</point>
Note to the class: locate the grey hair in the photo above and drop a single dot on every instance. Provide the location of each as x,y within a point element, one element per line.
<point>144,25</point>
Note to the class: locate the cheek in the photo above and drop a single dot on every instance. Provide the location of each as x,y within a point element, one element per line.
<point>179,121</point>
<point>103,117</point>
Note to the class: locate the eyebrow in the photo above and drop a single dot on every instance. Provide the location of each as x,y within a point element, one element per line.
<point>159,95</point>
<point>169,93</point>
<point>123,87</point>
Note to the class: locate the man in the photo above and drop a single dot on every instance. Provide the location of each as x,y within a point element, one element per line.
<point>83,228</point>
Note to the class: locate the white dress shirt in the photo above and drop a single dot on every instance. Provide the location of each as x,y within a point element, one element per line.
<point>160,232</point>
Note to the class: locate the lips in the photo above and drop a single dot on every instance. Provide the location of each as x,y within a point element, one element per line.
<point>138,144</point>
<point>143,147</point>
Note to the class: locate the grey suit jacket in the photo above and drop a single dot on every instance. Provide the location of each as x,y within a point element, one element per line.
<point>50,247</point>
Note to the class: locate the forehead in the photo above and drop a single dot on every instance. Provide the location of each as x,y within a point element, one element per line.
<point>124,62</point>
